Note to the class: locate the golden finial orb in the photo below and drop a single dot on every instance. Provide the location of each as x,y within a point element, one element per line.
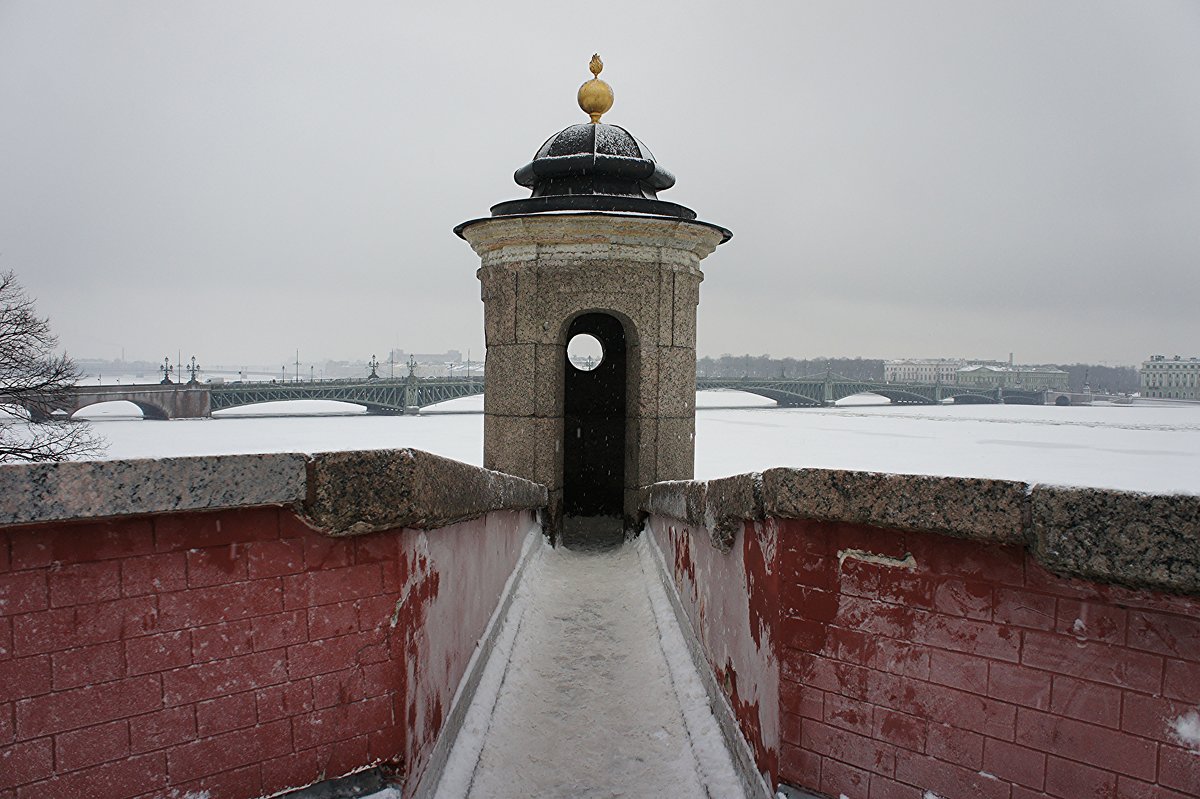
<point>595,96</point>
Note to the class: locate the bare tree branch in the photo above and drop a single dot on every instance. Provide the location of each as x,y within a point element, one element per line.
<point>34,382</point>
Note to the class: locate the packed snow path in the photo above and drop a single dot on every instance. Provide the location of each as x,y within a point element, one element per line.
<point>590,692</point>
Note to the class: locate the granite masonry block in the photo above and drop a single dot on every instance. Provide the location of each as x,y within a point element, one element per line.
<point>508,445</point>
<point>665,307</point>
<point>643,383</point>
<point>721,506</point>
<point>549,364</point>
<point>42,492</point>
<point>548,452</point>
<point>351,493</point>
<point>498,289</point>
<point>1134,539</point>
<point>644,430</point>
<point>534,321</point>
<point>686,299</point>
<point>510,380</point>
<point>675,449</point>
<point>676,382</point>
<point>676,499</point>
<point>988,510</point>
<point>561,308</point>
<point>524,446</point>
<point>531,324</point>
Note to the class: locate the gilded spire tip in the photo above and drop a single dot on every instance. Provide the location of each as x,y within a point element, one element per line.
<point>595,96</point>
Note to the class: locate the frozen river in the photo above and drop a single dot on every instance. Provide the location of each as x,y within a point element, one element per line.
<point>1142,448</point>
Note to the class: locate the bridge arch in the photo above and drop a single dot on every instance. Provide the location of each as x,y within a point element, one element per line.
<point>711,397</point>
<point>894,396</point>
<point>786,399</point>
<point>972,398</point>
<point>785,393</point>
<point>291,407</point>
<point>148,409</point>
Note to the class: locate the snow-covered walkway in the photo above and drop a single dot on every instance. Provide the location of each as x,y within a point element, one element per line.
<point>590,692</point>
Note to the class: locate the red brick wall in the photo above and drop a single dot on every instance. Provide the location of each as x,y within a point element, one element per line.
<point>967,671</point>
<point>236,652</point>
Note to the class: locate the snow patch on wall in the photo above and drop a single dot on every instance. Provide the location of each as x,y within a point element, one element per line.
<point>1187,730</point>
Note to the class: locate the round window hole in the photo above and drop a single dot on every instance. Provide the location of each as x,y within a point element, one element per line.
<point>585,352</point>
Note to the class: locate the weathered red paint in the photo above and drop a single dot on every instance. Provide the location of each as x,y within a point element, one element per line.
<point>966,671</point>
<point>730,601</point>
<point>234,652</point>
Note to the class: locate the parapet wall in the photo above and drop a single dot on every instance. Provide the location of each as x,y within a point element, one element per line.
<point>242,625</point>
<point>887,636</point>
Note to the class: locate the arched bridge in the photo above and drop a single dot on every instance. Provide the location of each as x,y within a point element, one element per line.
<point>385,396</point>
<point>805,392</point>
<point>410,394</point>
<point>197,400</point>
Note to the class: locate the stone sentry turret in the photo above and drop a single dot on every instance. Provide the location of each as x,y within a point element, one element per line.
<point>592,251</point>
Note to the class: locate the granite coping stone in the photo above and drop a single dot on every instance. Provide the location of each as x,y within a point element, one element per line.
<point>1143,541</point>
<point>337,493</point>
<point>965,507</point>
<point>351,493</point>
<point>721,506</point>
<point>43,492</point>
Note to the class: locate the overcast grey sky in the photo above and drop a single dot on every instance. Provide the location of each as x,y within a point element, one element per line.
<point>242,179</point>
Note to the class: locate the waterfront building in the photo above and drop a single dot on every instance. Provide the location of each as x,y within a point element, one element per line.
<point>1026,377</point>
<point>1170,378</point>
<point>916,370</point>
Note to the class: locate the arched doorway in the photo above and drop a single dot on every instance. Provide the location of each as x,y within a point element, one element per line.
<point>594,404</point>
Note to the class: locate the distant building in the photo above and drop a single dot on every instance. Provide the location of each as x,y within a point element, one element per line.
<point>1170,378</point>
<point>939,370</point>
<point>1024,377</point>
<point>449,356</point>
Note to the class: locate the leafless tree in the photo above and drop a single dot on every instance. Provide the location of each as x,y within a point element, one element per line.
<point>34,382</point>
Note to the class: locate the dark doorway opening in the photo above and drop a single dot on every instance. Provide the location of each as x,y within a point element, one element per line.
<point>594,435</point>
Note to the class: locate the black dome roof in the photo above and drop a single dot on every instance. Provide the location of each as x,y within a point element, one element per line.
<point>597,149</point>
<point>594,167</point>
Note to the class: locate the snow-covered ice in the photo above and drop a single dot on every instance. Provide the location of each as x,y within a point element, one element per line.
<point>590,692</point>
<point>1141,448</point>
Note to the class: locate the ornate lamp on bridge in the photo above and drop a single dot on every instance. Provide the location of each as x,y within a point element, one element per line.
<point>167,370</point>
<point>592,251</point>
<point>374,364</point>
<point>193,370</point>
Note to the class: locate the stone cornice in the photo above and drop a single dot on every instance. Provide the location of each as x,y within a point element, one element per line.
<point>1108,536</point>
<point>337,493</point>
<point>593,231</point>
